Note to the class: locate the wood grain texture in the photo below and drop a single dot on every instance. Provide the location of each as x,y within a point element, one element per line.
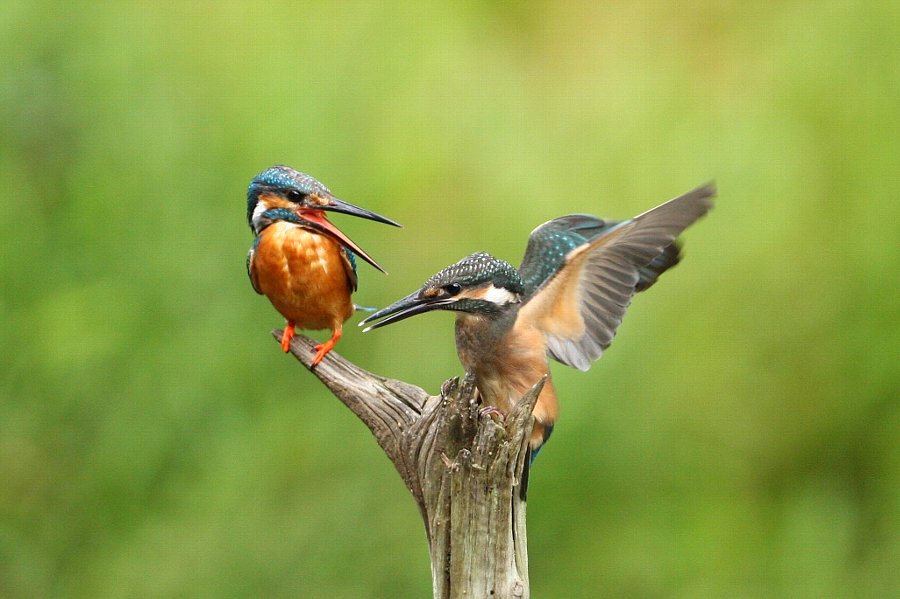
<point>464,469</point>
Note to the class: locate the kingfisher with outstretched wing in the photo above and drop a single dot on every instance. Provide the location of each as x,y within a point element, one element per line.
<point>565,301</point>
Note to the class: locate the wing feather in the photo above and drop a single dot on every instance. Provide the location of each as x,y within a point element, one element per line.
<point>580,306</point>
<point>349,259</point>
<point>251,266</point>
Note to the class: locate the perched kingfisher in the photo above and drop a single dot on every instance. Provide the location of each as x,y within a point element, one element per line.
<point>299,260</point>
<point>565,300</point>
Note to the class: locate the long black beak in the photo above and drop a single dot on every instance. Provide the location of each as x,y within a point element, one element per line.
<point>337,205</point>
<point>402,309</point>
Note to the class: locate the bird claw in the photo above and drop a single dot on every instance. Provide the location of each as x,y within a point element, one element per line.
<point>493,412</point>
<point>286,337</point>
<point>321,350</point>
<point>324,348</point>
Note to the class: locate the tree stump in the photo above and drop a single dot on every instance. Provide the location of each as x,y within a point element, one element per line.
<point>466,470</point>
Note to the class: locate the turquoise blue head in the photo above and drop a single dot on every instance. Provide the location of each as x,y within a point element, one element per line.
<point>282,182</point>
<point>281,193</point>
<point>281,186</point>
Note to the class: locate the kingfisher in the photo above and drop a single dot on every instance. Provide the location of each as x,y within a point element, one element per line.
<point>565,301</point>
<point>299,260</point>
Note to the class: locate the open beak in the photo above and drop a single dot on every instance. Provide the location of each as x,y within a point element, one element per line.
<point>410,305</point>
<point>317,218</point>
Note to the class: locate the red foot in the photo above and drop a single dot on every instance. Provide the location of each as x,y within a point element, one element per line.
<point>324,348</point>
<point>286,337</point>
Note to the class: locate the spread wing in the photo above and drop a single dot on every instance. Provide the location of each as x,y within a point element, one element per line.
<point>580,303</point>
<point>551,242</point>
<point>251,268</point>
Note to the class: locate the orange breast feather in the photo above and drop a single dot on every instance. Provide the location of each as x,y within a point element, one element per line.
<point>305,275</point>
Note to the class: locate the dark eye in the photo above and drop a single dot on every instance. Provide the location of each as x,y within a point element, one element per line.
<point>453,288</point>
<point>294,195</point>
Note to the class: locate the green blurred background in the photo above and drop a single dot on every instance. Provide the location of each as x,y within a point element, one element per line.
<point>740,439</point>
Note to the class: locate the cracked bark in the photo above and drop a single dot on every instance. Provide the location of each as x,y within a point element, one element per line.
<point>463,468</point>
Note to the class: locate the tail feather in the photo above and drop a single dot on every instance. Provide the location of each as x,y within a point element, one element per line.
<point>526,472</point>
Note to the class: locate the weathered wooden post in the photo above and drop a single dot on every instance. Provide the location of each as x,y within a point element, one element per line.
<point>464,469</point>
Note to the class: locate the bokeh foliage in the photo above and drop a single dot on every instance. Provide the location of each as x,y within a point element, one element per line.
<point>740,439</point>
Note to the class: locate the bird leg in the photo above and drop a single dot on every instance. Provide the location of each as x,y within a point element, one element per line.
<point>324,348</point>
<point>287,336</point>
<point>493,412</point>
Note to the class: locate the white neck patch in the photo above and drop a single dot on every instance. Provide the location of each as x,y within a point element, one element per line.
<point>257,215</point>
<point>499,296</point>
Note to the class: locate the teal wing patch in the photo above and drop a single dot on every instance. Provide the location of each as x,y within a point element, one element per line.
<point>350,262</point>
<point>551,242</point>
